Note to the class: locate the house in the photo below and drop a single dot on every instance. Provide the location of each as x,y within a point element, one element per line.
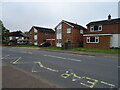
<point>38,35</point>
<point>103,34</point>
<point>68,32</point>
<point>18,38</point>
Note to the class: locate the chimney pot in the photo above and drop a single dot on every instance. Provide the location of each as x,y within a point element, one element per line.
<point>109,17</point>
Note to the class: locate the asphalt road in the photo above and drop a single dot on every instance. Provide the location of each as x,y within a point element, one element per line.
<point>65,70</point>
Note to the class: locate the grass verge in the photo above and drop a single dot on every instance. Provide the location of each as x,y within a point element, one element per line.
<point>53,48</point>
<point>113,51</point>
<point>25,46</point>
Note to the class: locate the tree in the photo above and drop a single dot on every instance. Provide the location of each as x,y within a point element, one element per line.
<point>5,33</point>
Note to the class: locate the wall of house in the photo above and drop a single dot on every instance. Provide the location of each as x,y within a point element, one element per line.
<point>42,36</point>
<point>106,29</point>
<point>115,40</point>
<point>75,34</point>
<point>104,42</point>
<point>31,37</point>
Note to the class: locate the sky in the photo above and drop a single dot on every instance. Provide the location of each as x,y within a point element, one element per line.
<point>23,15</point>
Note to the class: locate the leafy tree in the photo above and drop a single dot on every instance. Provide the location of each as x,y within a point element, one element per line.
<point>4,32</point>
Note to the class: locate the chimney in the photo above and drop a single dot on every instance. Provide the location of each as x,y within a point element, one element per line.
<point>109,17</point>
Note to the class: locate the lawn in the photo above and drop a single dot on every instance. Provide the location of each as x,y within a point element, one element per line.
<point>54,48</point>
<point>25,46</point>
<point>113,51</point>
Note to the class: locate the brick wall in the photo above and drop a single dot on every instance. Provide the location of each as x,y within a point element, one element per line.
<point>41,36</point>
<point>104,42</point>
<point>75,35</point>
<point>106,29</point>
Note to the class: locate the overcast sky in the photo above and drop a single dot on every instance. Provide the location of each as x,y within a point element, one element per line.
<point>24,15</point>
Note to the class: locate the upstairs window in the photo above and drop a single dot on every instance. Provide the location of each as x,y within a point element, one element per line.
<point>58,31</point>
<point>68,30</point>
<point>81,31</point>
<point>46,33</point>
<point>35,33</point>
<point>96,28</point>
<point>92,39</point>
<point>30,34</point>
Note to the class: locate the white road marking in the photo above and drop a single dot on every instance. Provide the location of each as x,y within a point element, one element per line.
<point>26,52</point>
<point>91,56</point>
<point>79,55</point>
<point>118,66</point>
<point>63,58</point>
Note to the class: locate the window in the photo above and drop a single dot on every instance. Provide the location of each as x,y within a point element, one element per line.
<point>68,30</point>
<point>81,31</point>
<point>58,31</point>
<point>30,34</point>
<point>46,33</point>
<point>68,40</point>
<point>59,40</point>
<point>92,39</point>
<point>35,33</point>
<point>96,28</point>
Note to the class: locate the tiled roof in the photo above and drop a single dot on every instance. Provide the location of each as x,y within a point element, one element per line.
<point>41,29</point>
<point>75,25</point>
<point>111,21</point>
<point>17,34</point>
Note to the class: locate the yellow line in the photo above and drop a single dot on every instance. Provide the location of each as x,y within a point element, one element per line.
<point>5,57</point>
<point>15,62</point>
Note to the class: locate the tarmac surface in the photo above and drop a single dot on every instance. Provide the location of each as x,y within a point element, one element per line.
<point>58,69</point>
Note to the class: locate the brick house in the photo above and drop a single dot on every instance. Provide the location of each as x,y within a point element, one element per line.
<point>68,32</point>
<point>38,35</point>
<point>103,34</point>
<point>18,38</point>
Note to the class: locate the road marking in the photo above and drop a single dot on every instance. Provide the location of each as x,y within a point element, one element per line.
<point>91,56</point>
<point>5,57</point>
<point>118,66</point>
<point>16,61</point>
<point>86,81</point>
<point>42,66</point>
<point>63,58</point>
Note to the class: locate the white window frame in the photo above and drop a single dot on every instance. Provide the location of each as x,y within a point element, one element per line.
<point>92,28</point>
<point>10,38</point>
<point>59,31</point>
<point>96,37</point>
<point>68,30</point>
<point>81,31</point>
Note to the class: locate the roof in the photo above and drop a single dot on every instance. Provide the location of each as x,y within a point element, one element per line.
<point>111,21</point>
<point>17,34</point>
<point>25,35</point>
<point>76,26</point>
<point>41,29</point>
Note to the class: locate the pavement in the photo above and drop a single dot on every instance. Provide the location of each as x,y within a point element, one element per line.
<point>62,70</point>
<point>16,78</point>
<point>74,52</point>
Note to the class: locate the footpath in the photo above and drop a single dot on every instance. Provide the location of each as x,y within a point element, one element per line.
<point>13,77</point>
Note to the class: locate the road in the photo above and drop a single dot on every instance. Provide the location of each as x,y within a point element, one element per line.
<point>65,70</point>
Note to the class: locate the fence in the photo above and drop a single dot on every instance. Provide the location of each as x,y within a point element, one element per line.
<point>71,45</point>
